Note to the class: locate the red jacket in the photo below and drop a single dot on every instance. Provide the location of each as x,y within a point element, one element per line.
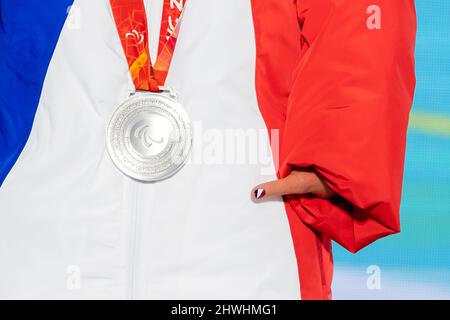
<point>343,113</point>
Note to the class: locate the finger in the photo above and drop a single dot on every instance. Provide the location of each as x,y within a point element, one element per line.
<point>292,184</point>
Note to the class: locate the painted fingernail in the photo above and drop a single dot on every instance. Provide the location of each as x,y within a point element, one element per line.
<point>260,193</point>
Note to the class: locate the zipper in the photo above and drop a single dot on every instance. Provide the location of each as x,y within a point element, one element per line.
<point>134,238</point>
<point>134,217</point>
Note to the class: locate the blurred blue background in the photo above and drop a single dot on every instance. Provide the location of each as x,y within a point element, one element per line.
<point>416,263</point>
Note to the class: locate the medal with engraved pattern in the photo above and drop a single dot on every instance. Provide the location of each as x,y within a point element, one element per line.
<point>149,137</point>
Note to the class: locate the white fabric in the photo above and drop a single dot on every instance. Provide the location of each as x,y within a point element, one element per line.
<point>154,12</point>
<point>72,226</point>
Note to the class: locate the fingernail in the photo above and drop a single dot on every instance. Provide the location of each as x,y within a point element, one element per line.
<point>260,193</point>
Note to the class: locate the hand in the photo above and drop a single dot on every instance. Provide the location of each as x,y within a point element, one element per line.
<point>298,182</point>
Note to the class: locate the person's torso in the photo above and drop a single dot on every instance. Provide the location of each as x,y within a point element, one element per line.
<point>73,226</point>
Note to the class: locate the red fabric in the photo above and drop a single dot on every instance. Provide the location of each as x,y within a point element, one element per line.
<point>131,22</point>
<point>340,93</point>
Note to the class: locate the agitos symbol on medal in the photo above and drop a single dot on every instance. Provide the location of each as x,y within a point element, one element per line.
<point>149,137</point>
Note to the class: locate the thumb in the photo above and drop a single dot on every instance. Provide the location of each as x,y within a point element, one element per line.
<point>295,183</point>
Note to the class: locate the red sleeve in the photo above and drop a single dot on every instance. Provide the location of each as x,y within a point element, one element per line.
<point>348,113</point>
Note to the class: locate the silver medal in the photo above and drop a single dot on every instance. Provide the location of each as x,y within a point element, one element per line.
<point>149,137</point>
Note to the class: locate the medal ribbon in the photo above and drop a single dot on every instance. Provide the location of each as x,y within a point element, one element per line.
<point>131,22</point>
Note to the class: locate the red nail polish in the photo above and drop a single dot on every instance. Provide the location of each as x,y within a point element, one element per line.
<point>260,193</point>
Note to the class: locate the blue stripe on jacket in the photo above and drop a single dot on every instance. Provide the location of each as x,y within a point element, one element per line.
<point>29,31</point>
